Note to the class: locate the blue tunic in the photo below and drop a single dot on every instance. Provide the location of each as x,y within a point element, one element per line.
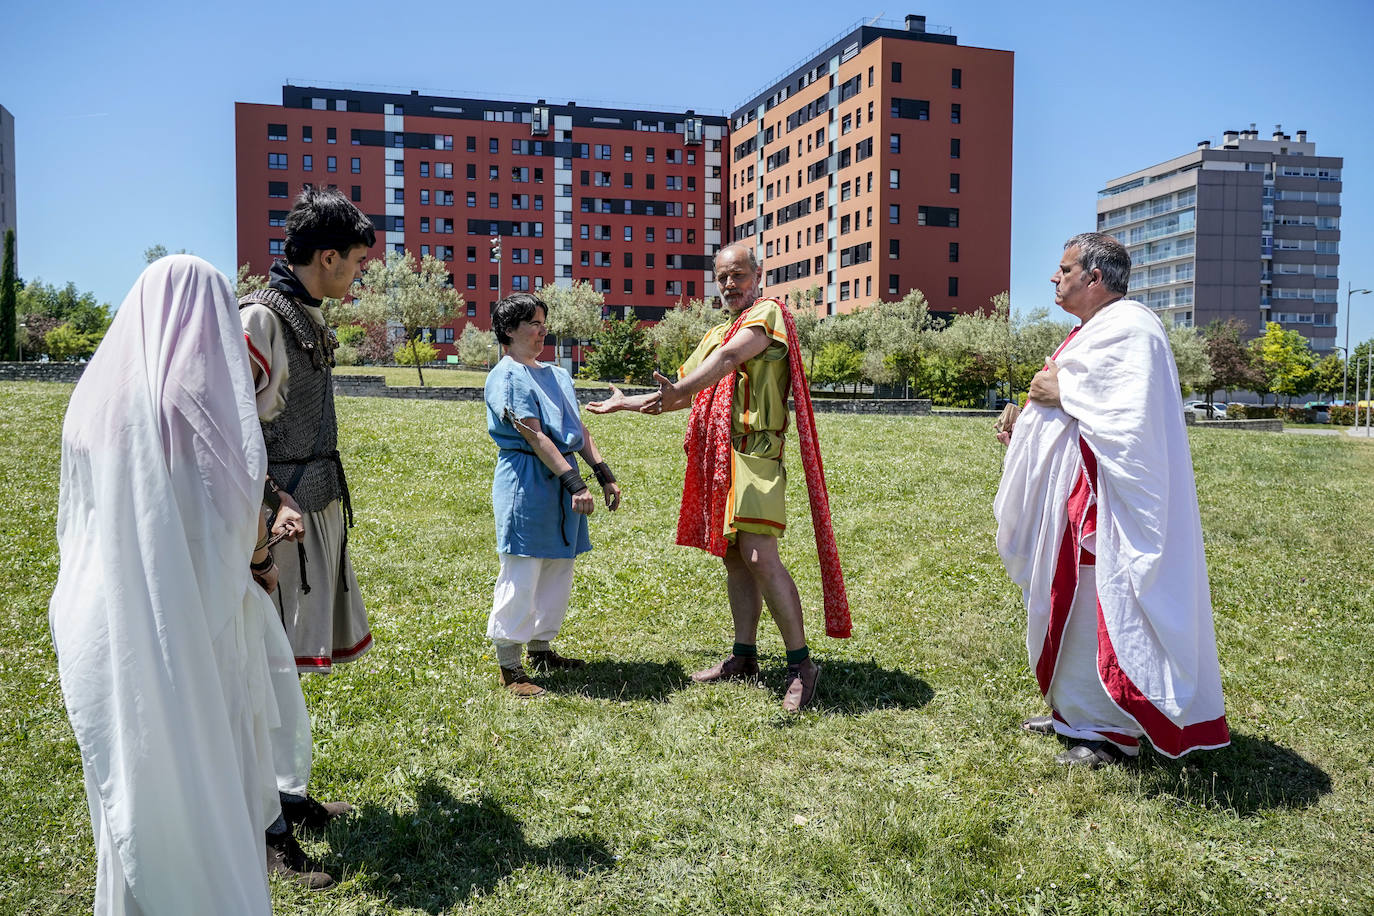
<point>534,516</point>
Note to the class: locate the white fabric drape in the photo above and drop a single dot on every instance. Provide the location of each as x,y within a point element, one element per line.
<point>160,631</point>
<point>1120,393</point>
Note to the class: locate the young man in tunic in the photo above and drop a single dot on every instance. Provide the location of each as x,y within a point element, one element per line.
<point>292,352</point>
<point>734,496</point>
<point>1098,523</point>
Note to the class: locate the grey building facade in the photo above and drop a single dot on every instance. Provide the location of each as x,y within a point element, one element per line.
<point>1247,230</point>
<point>8,219</point>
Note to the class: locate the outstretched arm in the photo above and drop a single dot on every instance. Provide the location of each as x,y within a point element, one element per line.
<point>744,346</point>
<point>640,403</point>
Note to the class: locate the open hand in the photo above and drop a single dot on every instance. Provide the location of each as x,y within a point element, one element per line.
<point>613,403</point>
<point>612,493</point>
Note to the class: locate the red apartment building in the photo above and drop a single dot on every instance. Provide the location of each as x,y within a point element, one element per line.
<point>627,200</point>
<point>880,165</point>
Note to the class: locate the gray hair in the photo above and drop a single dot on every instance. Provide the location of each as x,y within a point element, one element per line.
<point>747,249</point>
<point>1099,251</point>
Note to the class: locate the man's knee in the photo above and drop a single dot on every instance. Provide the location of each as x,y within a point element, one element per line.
<point>759,553</point>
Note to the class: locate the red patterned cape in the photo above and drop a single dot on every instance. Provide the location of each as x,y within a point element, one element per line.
<point>701,520</point>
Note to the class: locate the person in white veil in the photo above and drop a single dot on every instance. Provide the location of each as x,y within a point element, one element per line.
<point>165,643</point>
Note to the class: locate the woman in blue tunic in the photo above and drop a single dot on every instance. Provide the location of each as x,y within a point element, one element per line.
<point>538,495</point>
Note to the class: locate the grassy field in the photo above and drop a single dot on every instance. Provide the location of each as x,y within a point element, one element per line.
<point>629,790</point>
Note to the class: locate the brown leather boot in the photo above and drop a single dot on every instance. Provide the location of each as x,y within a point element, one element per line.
<point>311,814</point>
<point>518,683</point>
<point>549,660</point>
<point>733,668</point>
<point>801,685</point>
<point>286,859</point>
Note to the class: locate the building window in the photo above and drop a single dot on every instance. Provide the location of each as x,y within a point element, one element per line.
<point>357,193</point>
<point>953,286</point>
<point>954,113</point>
<point>276,131</point>
<point>331,135</point>
<point>276,246</point>
<point>648,287</point>
<point>276,189</point>
<point>894,213</point>
<point>896,72</point>
<point>844,285</point>
<point>472,144</point>
<point>629,286</point>
<point>894,143</point>
<point>956,78</point>
<point>424,169</point>
<point>954,252</point>
<point>893,281</point>
<point>894,178</point>
<point>894,249</point>
<point>307,134</point>
<point>307,163</point>
<point>493,146</point>
<point>355,165</point>
<point>424,224</point>
<point>954,148</point>
<point>276,160</point>
<point>424,196</point>
<point>398,195</point>
<point>331,163</point>
<point>954,182</point>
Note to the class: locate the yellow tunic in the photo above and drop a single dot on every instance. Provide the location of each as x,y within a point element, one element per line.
<point>758,420</point>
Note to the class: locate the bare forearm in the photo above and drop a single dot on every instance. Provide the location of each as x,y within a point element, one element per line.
<point>544,448</point>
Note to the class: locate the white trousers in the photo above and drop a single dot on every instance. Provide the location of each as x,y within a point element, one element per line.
<point>1076,693</point>
<point>531,599</point>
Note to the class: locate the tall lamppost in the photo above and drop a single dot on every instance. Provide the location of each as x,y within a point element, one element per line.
<point>19,338</point>
<point>1345,375</point>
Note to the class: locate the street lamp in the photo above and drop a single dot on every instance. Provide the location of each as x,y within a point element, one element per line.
<point>1345,375</point>
<point>22,329</point>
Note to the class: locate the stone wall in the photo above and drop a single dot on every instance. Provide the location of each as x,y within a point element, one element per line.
<point>41,372</point>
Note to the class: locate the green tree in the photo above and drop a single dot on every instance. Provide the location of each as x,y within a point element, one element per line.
<point>350,335</point>
<point>895,338</point>
<point>1190,356</point>
<point>246,283</point>
<point>838,363</point>
<point>621,349</point>
<point>9,300</point>
<point>573,311</point>
<point>679,331</point>
<point>65,343</point>
<point>477,347</point>
<point>1286,359</point>
<point>153,252</point>
<point>1013,346</point>
<point>44,307</point>
<point>398,291</point>
<point>1327,375</point>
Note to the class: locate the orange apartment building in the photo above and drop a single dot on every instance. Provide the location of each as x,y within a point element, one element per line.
<point>881,165</point>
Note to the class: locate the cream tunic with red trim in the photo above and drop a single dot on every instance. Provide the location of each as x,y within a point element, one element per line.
<point>758,420</point>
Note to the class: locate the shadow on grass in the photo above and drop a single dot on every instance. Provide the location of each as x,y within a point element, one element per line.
<point>1249,776</point>
<point>618,680</point>
<point>850,688</point>
<point>438,857</point>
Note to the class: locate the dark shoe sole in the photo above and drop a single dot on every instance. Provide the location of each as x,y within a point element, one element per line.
<point>1038,725</point>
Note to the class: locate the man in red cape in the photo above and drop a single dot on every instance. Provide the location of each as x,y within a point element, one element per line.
<point>737,383</point>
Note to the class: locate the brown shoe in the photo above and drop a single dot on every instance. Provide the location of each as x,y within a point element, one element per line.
<point>518,683</point>
<point>733,668</point>
<point>286,859</point>
<point>311,814</point>
<point>801,685</point>
<point>549,660</point>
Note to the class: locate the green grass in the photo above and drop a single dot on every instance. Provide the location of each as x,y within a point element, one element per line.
<point>910,790</point>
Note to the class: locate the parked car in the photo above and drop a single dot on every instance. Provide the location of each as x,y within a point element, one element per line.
<point>1204,411</point>
<point>1320,411</point>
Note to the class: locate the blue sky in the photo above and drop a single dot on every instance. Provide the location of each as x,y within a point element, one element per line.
<point>125,130</point>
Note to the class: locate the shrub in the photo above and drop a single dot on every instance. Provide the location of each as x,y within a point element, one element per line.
<point>350,335</point>
<point>424,352</point>
<point>1295,415</point>
<point>1251,412</point>
<point>1343,416</point>
<point>344,355</point>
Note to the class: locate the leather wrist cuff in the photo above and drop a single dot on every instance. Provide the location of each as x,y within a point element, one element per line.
<point>602,470</point>
<point>572,481</point>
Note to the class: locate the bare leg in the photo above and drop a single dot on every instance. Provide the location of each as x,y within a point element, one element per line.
<point>746,602</point>
<point>758,553</point>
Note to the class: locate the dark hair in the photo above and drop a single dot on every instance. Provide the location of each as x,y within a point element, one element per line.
<point>325,220</point>
<point>1099,251</point>
<point>507,314</point>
